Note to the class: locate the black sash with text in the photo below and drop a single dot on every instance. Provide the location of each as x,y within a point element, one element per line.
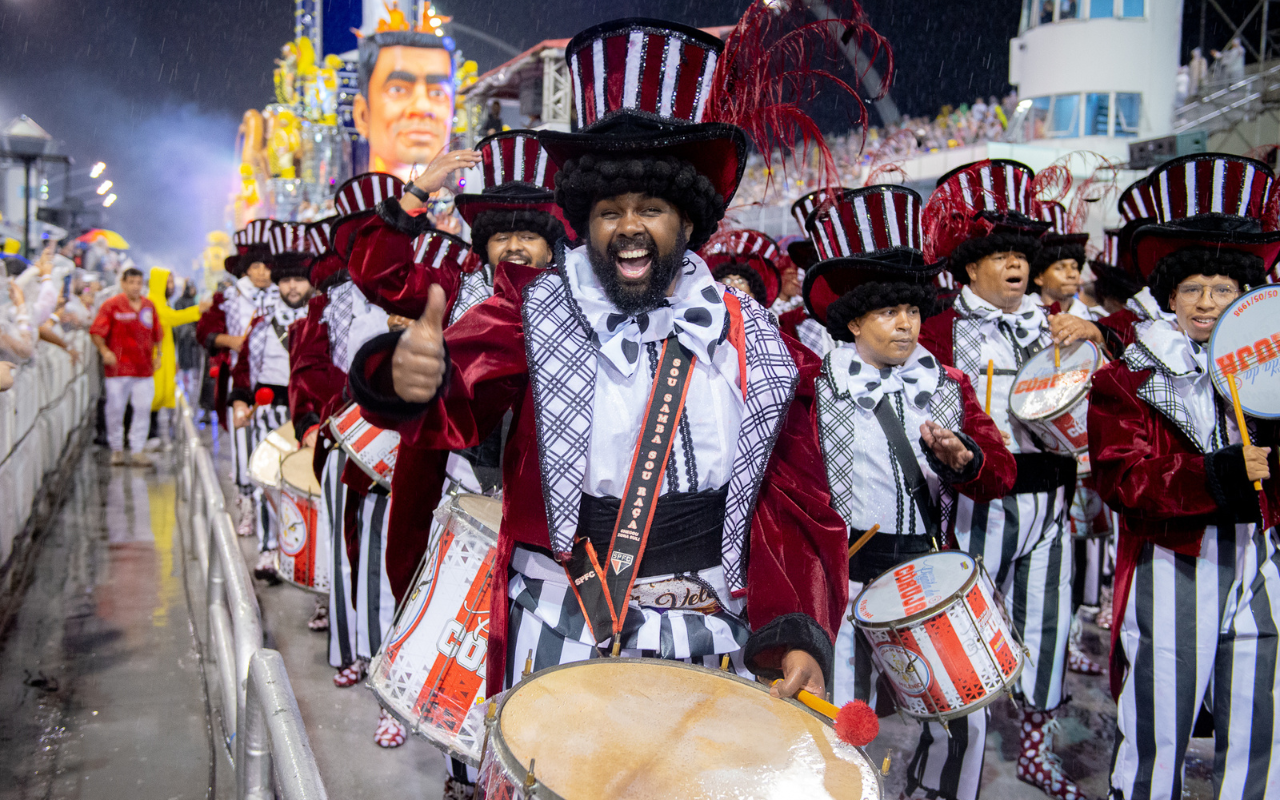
<point>603,587</point>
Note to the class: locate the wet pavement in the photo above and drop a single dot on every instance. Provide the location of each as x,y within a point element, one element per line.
<point>101,693</point>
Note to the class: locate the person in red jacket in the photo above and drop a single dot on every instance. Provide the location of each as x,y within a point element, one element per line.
<point>872,294</point>
<point>127,334</point>
<point>1197,580</point>
<point>740,499</point>
<point>983,219</point>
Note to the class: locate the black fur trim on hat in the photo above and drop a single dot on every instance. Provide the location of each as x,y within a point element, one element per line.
<point>499,220</point>
<point>584,180</point>
<point>391,212</point>
<point>253,254</point>
<point>1049,255</point>
<point>291,265</point>
<point>766,646</point>
<point>971,251</point>
<point>1173,269</point>
<point>1113,282</point>
<point>754,282</point>
<point>872,295</point>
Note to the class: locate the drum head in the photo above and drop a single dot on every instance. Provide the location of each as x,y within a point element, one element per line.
<point>915,587</point>
<point>643,728</point>
<point>1246,345</point>
<point>485,510</point>
<point>284,438</point>
<point>1040,390</point>
<point>297,473</point>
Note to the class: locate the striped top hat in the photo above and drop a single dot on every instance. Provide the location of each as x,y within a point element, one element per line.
<point>978,200</point>
<point>867,234</point>
<point>253,233</point>
<point>1059,232</point>
<point>1110,246</point>
<point>435,250</point>
<point>289,237</point>
<point>1136,202</point>
<point>517,175</point>
<point>1211,200</point>
<point>355,199</point>
<point>642,87</point>
<point>318,234</point>
<point>750,249</point>
<point>803,208</point>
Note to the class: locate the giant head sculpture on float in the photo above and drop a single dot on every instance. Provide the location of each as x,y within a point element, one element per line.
<point>405,105</point>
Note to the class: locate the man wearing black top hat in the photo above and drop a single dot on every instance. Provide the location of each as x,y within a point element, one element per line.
<point>741,508</point>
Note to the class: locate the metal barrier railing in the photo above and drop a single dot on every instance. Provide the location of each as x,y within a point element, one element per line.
<point>263,727</point>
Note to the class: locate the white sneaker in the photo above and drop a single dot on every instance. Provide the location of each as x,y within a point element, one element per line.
<point>245,527</point>
<point>142,460</point>
<point>118,458</point>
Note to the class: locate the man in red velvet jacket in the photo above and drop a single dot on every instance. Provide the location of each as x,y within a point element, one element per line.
<point>1197,568</point>
<point>872,295</point>
<point>572,352</point>
<point>983,220</point>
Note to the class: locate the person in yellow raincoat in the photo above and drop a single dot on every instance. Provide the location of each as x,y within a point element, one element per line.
<point>159,288</point>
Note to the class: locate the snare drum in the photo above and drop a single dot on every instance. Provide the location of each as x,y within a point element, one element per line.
<point>641,728</point>
<point>264,462</point>
<point>1054,402</point>
<point>304,555</point>
<point>937,632</point>
<point>430,671</point>
<point>373,449</point>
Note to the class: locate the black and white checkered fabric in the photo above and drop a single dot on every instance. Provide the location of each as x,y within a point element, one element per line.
<point>562,366</point>
<point>771,384</point>
<point>967,339</point>
<point>838,431</point>
<point>280,319</point>
<point>1159,390</point>
<point>476,287</point>
<point>337,319</point>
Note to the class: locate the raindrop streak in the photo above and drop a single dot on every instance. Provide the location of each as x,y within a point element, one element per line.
<point>132,46</point>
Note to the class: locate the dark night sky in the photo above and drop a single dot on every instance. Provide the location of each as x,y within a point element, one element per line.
<point>156,87</point>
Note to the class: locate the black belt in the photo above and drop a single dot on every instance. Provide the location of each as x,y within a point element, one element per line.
<point>1043,472</point>
<point>279,394</point>
<point>684,537</point>
<point>883,552</point>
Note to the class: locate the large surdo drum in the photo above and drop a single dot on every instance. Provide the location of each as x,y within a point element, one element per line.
<point>644,728</point>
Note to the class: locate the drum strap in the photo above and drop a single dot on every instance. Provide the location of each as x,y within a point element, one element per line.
<point>911,473</point>
<point>603,592</point>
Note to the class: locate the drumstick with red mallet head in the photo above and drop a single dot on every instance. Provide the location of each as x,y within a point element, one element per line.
<point>856,722</point>
<point>262,397</point>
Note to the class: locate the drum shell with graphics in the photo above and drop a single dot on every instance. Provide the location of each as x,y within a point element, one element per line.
<point>305,553</point>
<point>1053,402</point>
<point>430,672</point>
<point>939,635</point>
<point>372,449</point>
<point>644,727</point>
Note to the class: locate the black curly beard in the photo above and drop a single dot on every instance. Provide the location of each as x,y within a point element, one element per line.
<point>632,298</point>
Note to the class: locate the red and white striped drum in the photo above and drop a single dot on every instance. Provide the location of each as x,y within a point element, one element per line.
<point>939,634</point>
<point>633,728</point>
<point>304,555</point>
<point>1053,401</point>
<point>373,449</point>
<point>430,671</point>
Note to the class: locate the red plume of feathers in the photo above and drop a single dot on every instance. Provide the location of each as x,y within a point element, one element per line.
<point>1053,183</point>
<point>948,219</point>
<point>777,59</point>
<point>1095,190</point>
<point>882,174</point>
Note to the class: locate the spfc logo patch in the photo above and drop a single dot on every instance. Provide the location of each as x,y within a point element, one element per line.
<point>621,561</point>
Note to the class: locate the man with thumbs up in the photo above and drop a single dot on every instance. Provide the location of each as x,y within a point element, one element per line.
<point>633,377</point>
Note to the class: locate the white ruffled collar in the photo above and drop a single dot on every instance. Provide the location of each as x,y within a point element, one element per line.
<point>917,378</point>
<point>695,312</point>
<point>1173,351</point>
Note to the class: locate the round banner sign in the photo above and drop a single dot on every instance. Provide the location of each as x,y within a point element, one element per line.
<point>1246,345</point>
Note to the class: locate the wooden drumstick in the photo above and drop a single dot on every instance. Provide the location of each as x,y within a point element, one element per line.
<point>862,540</point>
<point>1244,429</point>
<point>991,372</point>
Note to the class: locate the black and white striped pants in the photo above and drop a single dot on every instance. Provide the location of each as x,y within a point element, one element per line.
<point>1201,632</point>
<point>265,420</point>
<point>342,618</point>
<point>1024,546</point>
<point>375,604</point>
<point>946,766</point>
<point>238,442</point>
